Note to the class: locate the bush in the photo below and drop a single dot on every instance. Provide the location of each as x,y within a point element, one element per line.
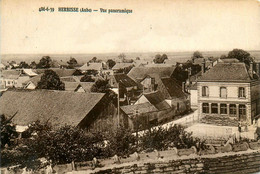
<point>120,142</point>
<point>164,138</point>
<point>66,144</point>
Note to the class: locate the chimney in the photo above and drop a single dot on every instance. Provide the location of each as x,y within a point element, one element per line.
<point>257,68</point>
<point>183,86</point>
<point>203,66</point>
<point>189,74</point>
<point>251,69</point>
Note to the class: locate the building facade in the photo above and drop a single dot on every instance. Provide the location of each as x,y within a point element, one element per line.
<point>229,90</point>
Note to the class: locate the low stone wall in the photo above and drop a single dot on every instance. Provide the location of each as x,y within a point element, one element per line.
<point>232,162</point>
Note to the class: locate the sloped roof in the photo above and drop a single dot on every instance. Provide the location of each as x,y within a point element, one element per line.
<point>141,108</point>
<point>121,65</point>
<point>87,86</point>
<point>229,60</point>
<point>71,86</point>
<point>35,79</point>
<point>173,88</point>
<point>125,80</point>
<point>60,72</point>
<point>10,74</point>
<point>139,73</point>
<point>57,107</point>
<point>156,99</point>
<point>91,66</point>
<point>70,79</point>
<point>29,72</point>
<point>226,72</point>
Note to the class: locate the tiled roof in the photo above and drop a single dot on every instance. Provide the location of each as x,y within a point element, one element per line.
<point>10,74</point>
<point>121,65</point>
<point>139,73</point>
<point>57,107</point>
<point>123,79</point>
<point>60,72</point>
<point>141,108</point>
<point>156,99</point>
<point>91,66</point>
<point>173,88</point>
<point>226,72</point>
<point>71,86</point>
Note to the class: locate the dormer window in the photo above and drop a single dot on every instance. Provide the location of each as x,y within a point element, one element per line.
<point>241,92</point>
<point>205,91</point>
<point>223,92</point>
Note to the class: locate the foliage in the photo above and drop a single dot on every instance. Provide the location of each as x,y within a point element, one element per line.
<point>120,142</point>
<point>111,63</point>
<point>223,56</point>
<point>197,55</point>
<point>23,64</point>
<point>241,55</point>
<point>160,59</point>
<point>45,62</point>
<point>91,72</point>
<point>164,138</point>
<point>66,144</point>
<point>72,62</point>
<point>33,65</point>
<point>122,56</point>
<point>8,131</point>
<point>101,86</point>
<point>87,78</point>
<point>50,80</point>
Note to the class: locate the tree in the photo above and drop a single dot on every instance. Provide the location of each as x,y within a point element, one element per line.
<point>101,86</point>
<point>122,56</point>
<point>223,56</point>
<point>164,57</point>
<point>23,64</point>
<point>241,55</point>
<point>8,131</point>
<point>87,78</point>
<point>45,62</point>
<point>160,59</point>
<point>72,62</point>
<point>111,63</point>
<point>33,65</point>
<point>196,55</point>
<point>50,80</point>
<point>137,58</point>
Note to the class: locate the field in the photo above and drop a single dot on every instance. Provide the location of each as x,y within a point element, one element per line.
<point>83,58</point>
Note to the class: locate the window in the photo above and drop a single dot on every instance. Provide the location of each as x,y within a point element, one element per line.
<point>205,108</point>
<point>214,108</point>
<point>205,91</point>
<point>223,92</point>
<point>8,82</point>
<point>232,109</point>
<point>241,92</point>
<point>242,110</point>
<point>223,108</point>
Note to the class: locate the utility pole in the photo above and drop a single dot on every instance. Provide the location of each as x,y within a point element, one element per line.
<point>118,107</point>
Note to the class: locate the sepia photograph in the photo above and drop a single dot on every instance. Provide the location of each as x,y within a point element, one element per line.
<point>130,86</point>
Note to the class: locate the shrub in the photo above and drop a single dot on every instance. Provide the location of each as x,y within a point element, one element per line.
<point>120,142</point>
<point>164,138</point>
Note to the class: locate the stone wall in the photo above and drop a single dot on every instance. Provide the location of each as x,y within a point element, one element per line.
<point>232,162</point>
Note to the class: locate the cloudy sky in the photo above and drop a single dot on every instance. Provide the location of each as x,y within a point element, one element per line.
<point>154,25</point>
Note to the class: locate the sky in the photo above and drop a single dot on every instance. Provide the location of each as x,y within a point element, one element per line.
<point>153,26</point>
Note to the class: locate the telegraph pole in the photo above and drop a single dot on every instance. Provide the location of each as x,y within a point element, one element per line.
<point>118,105</point>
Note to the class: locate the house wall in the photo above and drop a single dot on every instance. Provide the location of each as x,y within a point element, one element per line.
<point>30,85</point>
<point>10,82</point>
<point>142,99</point>
<point>194,98</point>
<point>232,98</point>
<point>21,80</point>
